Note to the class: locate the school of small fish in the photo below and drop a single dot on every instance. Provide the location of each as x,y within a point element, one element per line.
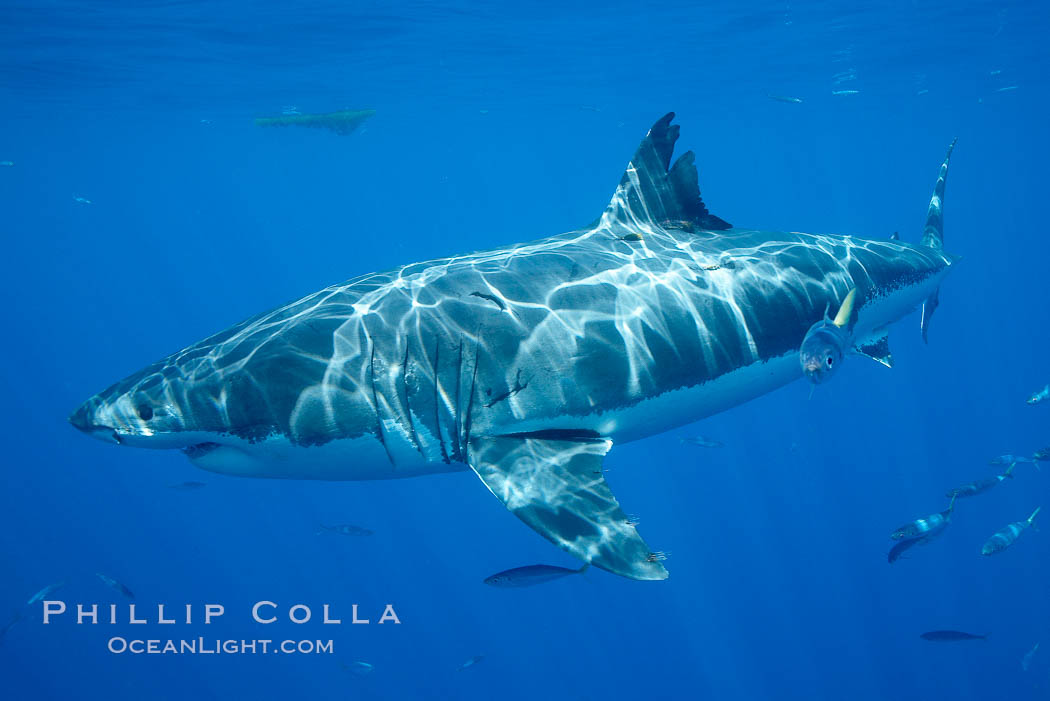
<point>922,530</point>
<point>919,531</point>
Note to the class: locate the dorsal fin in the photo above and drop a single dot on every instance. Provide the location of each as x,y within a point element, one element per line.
<point>652,191</point>
<point>933,232</point>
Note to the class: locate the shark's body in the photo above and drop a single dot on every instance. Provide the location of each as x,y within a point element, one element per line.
<point>526,363</point>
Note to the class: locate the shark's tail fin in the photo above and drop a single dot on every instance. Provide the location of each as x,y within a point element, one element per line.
<point>654,192</point>
<point>933,236</point>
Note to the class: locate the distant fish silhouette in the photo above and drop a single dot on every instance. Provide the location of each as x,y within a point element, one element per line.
<point>530,575</point>
<point>342,122</point>
<point>115,585</point>
<point>470,663</point>
<point>359,668</point>
<point>45,592</point>
<point>188,486</point>
<point>950,636</point>
<point>15,618</point>
<point>702,441</point>
<point>1026,661</point>
<point>345,529</point>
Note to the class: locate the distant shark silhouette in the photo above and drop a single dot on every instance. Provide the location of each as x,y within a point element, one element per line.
<point>526,364</point>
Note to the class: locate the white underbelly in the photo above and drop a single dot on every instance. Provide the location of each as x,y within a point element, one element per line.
<point>360,458</point>
<point>677,407</point>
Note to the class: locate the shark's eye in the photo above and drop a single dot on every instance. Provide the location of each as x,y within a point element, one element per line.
<point>145,411</point>
<point>830,361</point>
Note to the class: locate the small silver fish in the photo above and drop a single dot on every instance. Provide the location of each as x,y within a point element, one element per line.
<point>530,575</point>
<point>470,663</point>
<point>1040,396</point>
<point>925,528</point>
<point>845,92</point>
<point>827,341</point>
<point>359,668</point>
<point>1008,88</point>
<point>702,441</point>
<point>7,164</point>
<point>1007,536</point>
<point>345,529</point>
<point>81,200</point>
<point>45,592</point>
<point>115,585</point>
<point>976,487</point>
<point>785,98</point>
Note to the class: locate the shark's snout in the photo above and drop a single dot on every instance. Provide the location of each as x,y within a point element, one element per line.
<point>85,419</point>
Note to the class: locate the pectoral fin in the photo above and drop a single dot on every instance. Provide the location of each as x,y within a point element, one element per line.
<point>877,348</point>
<point>557,488</point>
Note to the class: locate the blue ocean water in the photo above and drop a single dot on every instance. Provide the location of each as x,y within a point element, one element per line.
<point>496,124</point>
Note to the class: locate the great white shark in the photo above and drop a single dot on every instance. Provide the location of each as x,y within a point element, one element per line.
<point>526,364</point>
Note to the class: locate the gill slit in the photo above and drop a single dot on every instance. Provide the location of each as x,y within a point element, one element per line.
<point>375,398</point>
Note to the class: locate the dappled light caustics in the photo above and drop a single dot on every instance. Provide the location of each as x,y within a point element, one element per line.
<point>557,487</point>
<point>525,363</point>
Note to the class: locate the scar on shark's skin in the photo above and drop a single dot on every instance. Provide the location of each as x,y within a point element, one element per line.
<point>518,386</point>
<point>492,298</point>
<point>678,224</point>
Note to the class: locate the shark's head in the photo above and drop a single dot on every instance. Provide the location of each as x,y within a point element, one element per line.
<point>141,410</point>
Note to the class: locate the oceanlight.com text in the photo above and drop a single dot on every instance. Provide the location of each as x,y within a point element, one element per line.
<point>205,646</point>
